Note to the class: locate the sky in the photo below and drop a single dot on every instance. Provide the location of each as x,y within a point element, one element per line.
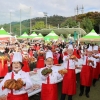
<point>16,10</point>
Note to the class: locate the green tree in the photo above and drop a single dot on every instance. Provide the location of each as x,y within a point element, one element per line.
<point>69,23</point>
<point>39,25</point>
<point>87,24</point>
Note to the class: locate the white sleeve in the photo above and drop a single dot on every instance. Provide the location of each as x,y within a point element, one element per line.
<point>64,58</point>
<point>27,81</point>
<point>42,76</point>
<point>59,76</point>
<point>5,78</point>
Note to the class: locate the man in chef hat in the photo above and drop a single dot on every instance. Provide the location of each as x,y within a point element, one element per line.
<point>69,79</point>
<point>49,86</point>
<point>96,71</point>
<point>86,72</point>
<point>17,73</point>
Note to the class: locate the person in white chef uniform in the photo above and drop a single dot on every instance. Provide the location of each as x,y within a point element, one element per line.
<point>89,63</point>
<point>69,79</point>
<point>96,55</point>
<point>17,73</point>
<point>49,82</point>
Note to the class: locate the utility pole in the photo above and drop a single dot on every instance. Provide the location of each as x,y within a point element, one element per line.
<point>20,22</point>
<point>45,14</point>
<point>30,20</point>
<point>75,13</point>
<point>10,22</point>
<point>58,26</point>
<point>82,9</point>
<point>77,9</point>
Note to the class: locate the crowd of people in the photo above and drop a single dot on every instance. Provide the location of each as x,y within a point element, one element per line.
<point>17,57</point>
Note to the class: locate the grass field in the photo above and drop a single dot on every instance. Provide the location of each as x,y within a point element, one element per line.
<point>94,93</point>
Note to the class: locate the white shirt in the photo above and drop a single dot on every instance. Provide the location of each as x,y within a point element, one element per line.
<point>98,59</point>
<point>54,76</point>
<point>24,76</point>
<point>89,58</point>
<point>72,63</point>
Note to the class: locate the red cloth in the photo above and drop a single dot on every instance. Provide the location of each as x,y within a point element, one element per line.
<point>31,53</point>
<point>40,62</point>
<point>11,96</point>
<point>34,47</point>
<point>49,91</point>
<point>55,59</point>
<point>26,67</point>
<point>99,68</point>
<point>17,97</point>
<point>37,48</point>
<point>11,58</point>
<point>86,75</point>
<point>3,69</point>
<point>75,53</point>
<point>69,82</point>
<point>65,53</point>
<point>96,71</point>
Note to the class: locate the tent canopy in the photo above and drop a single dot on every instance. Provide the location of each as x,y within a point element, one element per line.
<point>92,33</point>
<point>92,36</point>
<point>4,34</point>
<point>62,36</point>
<point>33,35</point>
<point>25,35</point>
<point>40,36</point>
<point>51,36</point>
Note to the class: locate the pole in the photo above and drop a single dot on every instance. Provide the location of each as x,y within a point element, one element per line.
<point>58,26</point>
<point>10,22</point>
<point>45,14</point>
<point>46,21</point>
<point>49,26</point>
<point>79,35</point>
<point>77,10</point>
<point>75,13</point>
<point>20,22</point>
<point>30,20</point>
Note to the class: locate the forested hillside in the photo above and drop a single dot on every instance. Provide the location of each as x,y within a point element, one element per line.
<point>86,21</point>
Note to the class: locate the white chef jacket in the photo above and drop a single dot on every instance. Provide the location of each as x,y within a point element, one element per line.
<point>89,58</point>
<point>98,59</point>
<point>72,63</point>
<point>54,76</point>
<point>21,74</point>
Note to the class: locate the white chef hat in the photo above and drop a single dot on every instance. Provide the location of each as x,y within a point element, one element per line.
<point>17,57</point>
<point>95,48</point>
<point>49,54</point>
<point>70,47</point>
<point>90,48</point>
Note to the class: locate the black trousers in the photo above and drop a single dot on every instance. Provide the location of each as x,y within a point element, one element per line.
<point>82,89</point>
<point>1,77</point>
<point>94,81</point>
<point>63,96</point>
